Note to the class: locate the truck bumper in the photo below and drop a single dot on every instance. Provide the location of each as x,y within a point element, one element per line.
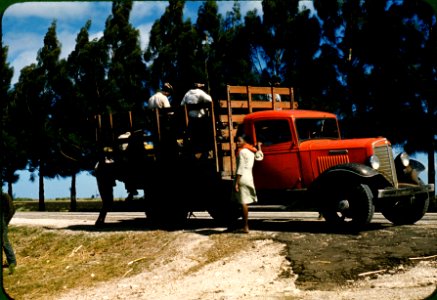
<point>405,190</point>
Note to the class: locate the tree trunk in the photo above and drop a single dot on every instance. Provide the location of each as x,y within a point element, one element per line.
<point>431,177</point>
<point>73,193</point>
<point>10,190</point>
<point>41,204</point>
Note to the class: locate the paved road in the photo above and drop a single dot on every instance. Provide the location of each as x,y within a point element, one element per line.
<point>68,219</point>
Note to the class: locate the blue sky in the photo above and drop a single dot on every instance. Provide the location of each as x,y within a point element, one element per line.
<point>24,26</point>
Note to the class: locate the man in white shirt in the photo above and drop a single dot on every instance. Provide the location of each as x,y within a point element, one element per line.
<point>200,126</point>
<point>196,96</point>
<point>277,96</point>
<point>160,99</point>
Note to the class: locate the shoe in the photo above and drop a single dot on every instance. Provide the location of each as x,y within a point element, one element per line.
<point>12,268</point>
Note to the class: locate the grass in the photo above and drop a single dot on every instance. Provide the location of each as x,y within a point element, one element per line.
<point>52,261</point>
<point>64,205</point>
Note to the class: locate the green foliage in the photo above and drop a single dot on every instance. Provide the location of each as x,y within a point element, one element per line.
<point>371,62</point>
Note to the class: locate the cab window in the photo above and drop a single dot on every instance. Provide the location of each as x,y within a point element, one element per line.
<point>313,128</point>
<point>271,132</point>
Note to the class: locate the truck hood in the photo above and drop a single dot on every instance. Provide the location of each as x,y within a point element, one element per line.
<point>343,144</point>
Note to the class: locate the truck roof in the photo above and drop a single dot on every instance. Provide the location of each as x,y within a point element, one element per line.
<point>293,113</point>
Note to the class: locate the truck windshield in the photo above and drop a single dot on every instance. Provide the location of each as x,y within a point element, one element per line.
<point>312,128</point>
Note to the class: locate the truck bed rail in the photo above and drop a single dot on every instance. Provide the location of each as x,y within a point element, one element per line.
<point>242,100</point>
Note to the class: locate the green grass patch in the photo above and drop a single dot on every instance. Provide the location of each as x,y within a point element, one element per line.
<point>50,262</point>
<point>53,261</point>
<point>64,205</point>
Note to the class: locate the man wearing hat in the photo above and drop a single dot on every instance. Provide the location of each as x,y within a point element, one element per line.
<point>195,96</point>
<point>160,99</point>
<point>199,125</point>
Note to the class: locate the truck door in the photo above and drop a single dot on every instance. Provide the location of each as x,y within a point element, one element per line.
<point>280,167</point>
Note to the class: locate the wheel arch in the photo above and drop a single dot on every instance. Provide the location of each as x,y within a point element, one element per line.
<point>351,173</point>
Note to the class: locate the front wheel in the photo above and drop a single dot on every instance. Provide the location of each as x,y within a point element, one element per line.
<point>351,205</point>
<point>406,210</point>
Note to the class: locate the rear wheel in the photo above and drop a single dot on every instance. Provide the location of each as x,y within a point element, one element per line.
<point>225,214</point>
<point>165,208</point>
<point>167,216</point>
<point>351,205</point>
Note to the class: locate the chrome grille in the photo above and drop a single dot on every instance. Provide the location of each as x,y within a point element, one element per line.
<point>325,162</point>
<point>387,168</point>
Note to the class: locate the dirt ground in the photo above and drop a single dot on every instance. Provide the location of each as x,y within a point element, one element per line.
<point>288,259</point>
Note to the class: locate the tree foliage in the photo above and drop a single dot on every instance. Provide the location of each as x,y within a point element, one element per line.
<point>372,62</point>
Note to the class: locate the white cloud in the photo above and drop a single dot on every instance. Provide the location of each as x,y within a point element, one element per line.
<point>144,34</point>
<point>22,50</point>
<point>68,42</point>
<point>245,6</point>
<point>147,9</point>
<point>53,10</point>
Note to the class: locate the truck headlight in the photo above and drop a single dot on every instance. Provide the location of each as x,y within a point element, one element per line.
<point>405,159</point>
<point>374,162</point>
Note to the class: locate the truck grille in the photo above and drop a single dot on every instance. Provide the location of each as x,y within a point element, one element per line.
<point>385,155</point>
<point>325,162</point>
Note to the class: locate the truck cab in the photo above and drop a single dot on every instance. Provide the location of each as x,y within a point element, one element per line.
<point>306,162</point>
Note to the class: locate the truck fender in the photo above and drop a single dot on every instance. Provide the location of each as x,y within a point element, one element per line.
<point>410,173</point>
<point>346,174</point>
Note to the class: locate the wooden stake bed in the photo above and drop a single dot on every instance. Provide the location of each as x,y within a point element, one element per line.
<point>242,100</point>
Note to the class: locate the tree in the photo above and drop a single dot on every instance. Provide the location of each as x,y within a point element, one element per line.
<point>39,86</point>
<point>232,59</point>
<point>12,156</point>
<point>171,45</point>
<point>85,70</point>
<point>126,70</point>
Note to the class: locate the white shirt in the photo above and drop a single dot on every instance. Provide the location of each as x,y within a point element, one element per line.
<point>196,96</point>
<point>159,100</point>
<point>277,97</point>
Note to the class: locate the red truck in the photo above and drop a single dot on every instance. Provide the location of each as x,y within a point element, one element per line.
<point>306,164</point>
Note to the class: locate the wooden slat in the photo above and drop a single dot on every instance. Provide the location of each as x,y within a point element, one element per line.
<point>226,146</point>
<point>240,101</point>
<point>235,118</point>
<point>227,166</point>
<point>255,104</point>
<point>235,89</point>
<point>259,90</point>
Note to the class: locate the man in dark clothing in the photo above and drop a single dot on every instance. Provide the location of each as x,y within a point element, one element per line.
<point>8,211</point>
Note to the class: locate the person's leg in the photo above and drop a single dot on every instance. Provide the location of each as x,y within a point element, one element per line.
<point>245,214</point>
<point>7,248</point>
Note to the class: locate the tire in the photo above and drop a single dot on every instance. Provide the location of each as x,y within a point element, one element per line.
<point>167,217</point>
<point>351,206</point>
<point>225,214</point>
<point>164,208</point>
<point>406,210</point>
